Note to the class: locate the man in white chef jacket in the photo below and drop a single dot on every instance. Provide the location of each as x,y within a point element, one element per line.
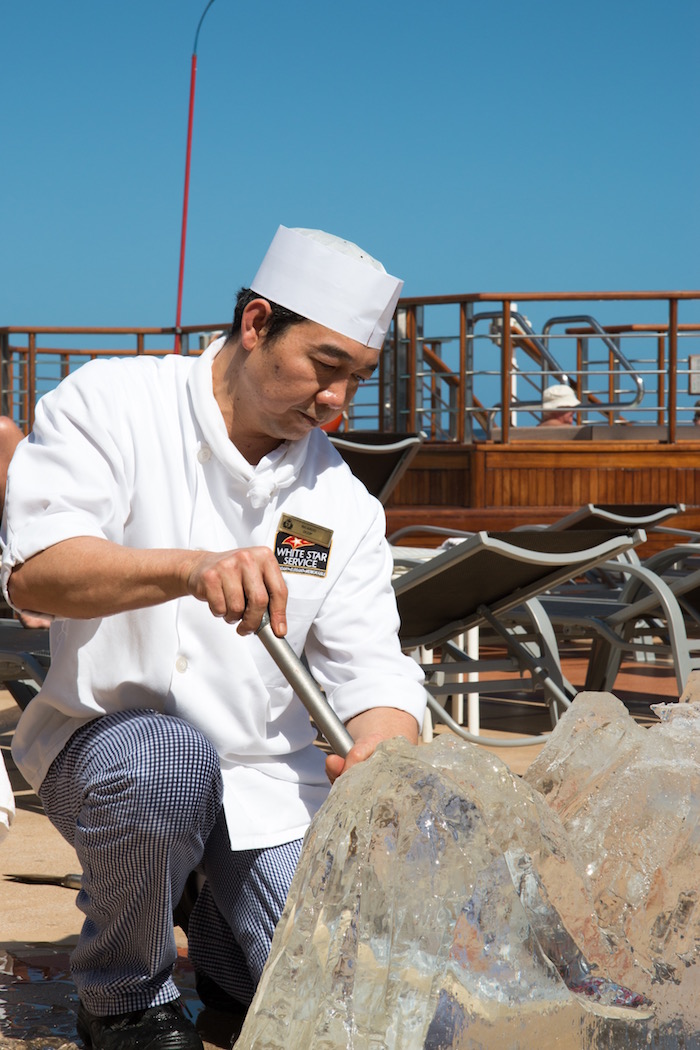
<point>158,508</point>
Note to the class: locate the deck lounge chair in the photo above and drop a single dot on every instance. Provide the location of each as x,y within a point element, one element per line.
<point>378,460</point>
<point>643,618</point>
<point>477,583</point>
<point>623,515</point>
<point>24,659</point>
<point>590,516</point>
<point>647,516</point>
<point>677,566</point>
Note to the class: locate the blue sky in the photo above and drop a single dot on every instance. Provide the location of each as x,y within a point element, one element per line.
<point>471,147</point>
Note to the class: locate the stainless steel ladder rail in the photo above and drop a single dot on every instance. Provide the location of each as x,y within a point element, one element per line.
<point>614,350</point>
<point>530,334</point>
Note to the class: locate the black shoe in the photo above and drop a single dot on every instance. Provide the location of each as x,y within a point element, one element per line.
<point>159,1028</point>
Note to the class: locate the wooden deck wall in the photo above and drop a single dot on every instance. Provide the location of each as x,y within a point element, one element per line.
<point>494,486</point>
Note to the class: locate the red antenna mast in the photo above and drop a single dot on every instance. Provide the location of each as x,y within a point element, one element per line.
<point>185,202</point>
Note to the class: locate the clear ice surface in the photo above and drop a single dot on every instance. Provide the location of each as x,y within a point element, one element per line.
<point>443,902</point>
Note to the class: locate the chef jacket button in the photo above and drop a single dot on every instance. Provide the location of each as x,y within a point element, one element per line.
<point>181,664</point>
<point>204,454</point>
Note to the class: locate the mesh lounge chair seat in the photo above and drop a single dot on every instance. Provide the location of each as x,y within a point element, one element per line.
<point>647,516</point>
<point>378,460</point>
<point>587,518</point>
<point>478,582</point>
<point>623,515</point>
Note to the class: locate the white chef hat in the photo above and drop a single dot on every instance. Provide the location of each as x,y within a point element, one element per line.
<point>330,281</point>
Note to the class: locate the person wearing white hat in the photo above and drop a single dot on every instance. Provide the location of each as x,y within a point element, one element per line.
<point>558,404</point>
<point>157,510</point>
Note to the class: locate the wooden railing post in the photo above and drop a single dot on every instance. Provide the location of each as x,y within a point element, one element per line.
<point>381,377</point>
<point>31,381</point>
<point>461,389</point>
<point>672,367</point>
<point>661,381</point>
<point>411,367</point>
<point>580,350</point>
<point>506,367</point>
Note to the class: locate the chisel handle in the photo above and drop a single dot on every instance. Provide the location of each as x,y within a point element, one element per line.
<point>305,687</point>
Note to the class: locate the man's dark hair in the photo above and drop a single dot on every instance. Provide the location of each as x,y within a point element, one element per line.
<point>279,320</point>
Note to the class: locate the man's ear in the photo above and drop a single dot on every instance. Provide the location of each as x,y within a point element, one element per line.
<point>253,321</point>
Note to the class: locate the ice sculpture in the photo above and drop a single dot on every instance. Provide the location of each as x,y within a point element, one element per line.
<point>442,902</point>
<point>629,798</point>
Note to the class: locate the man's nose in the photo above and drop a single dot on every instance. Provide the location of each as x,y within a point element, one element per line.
<point>334,394</point>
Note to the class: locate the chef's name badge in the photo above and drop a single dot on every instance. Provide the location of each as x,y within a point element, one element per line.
<point>301,546</point>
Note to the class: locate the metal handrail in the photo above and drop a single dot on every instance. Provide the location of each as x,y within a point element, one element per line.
<point>528,333</point>
<point>614,351</point>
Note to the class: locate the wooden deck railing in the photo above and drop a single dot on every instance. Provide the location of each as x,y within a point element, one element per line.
<point>35,359</point>
<point>451,363</point>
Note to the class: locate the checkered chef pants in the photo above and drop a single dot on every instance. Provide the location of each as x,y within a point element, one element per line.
<point>138,794</point>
